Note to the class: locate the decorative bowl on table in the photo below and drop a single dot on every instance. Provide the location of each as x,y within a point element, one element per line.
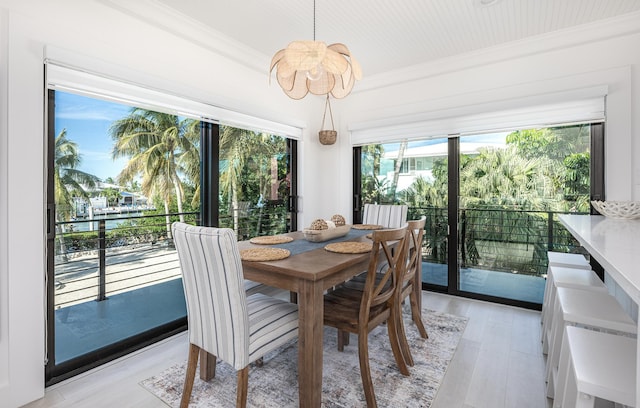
<point>628,210</point>
<point>323,230</point>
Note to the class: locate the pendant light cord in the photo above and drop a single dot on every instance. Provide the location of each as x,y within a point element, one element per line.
<point>314,20</point>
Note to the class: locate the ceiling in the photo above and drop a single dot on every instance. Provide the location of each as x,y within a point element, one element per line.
<point>388,35</point>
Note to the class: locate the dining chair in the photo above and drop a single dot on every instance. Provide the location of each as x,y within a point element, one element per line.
<point>407,289</point>
<point>353,308</point>
<point>223,321</point>
<point>387,215</point>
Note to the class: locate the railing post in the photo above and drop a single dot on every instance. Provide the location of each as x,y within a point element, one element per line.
<point>463,239</point>
<point>549,231</point>
<point>102,261</point>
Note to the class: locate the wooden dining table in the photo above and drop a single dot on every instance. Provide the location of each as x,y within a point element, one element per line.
<point>307,272</point>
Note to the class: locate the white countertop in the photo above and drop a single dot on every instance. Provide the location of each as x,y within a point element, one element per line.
<point>614,243</point>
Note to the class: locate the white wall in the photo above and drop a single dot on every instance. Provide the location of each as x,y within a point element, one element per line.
<point>4,276</point>
<point>87,33</point>
<point>90,31</point>
<point>527,72</point>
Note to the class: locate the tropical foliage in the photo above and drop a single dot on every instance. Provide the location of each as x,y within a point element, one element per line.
<point>252,164</point>
<point>505,193</point>
<point>375,189</point>
<point>69,181</point>
<point>538,169</point>
<point>162,149</point>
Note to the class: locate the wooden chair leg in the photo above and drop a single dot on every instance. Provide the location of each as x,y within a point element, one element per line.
<point>416,315</point>
<point>396,346</point>
<point>190,375</point>
<point>207,366</point>
<point>243,386</point>
<point>343,339</point>
<point>402,339</point>
<point>365,369</point>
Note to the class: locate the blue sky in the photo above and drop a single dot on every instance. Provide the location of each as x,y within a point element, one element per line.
<point>490,138</point>
<point>87,121</point>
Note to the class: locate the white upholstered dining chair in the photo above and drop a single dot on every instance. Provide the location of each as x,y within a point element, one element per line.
<point>222,319</point>
<point>387,215</point>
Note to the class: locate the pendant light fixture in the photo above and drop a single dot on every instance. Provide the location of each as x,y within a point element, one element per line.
<point>314,67</point>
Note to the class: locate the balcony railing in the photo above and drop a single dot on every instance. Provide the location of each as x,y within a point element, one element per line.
<point>99,258</point>
<point>497,239</point>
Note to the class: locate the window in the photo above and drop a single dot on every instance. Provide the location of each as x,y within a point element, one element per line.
<point>120,171</point>
<point>491,201</point>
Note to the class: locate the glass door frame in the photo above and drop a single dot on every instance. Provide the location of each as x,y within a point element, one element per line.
<point>209,204</point>
<point>597,186</point>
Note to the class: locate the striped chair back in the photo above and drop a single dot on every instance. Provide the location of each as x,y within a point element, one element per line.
<point>389,216</point>
<point>214,291</point>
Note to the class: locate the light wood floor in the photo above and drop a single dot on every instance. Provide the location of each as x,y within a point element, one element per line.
<point>498,363</point>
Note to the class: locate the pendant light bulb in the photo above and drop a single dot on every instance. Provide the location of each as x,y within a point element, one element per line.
<point>315,73</point>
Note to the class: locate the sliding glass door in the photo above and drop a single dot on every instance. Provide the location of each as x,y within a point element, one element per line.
<point>118,176</point>
<point>512,186</point>
<point>491,202</point>
<point>413,173</point>
<point>256,183</point>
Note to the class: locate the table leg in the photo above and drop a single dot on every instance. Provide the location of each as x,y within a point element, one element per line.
<point>311,325</point>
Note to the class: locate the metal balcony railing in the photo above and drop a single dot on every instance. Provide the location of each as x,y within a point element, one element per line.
<point>96,259</point>
<point>514,241</point>
<point>101,257</point>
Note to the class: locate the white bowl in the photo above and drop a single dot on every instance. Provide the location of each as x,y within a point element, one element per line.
<point>326,234</point>
<point>618,209</point>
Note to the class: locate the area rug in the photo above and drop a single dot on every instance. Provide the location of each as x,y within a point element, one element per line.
<point>275,384</point>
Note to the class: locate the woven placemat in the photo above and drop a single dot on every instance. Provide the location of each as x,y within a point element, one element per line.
<point>367,226</point>
<point>271,239</point>
<point>349,247</point>
<point>264,254</point>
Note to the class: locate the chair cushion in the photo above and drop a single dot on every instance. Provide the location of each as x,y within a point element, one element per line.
<point>251,287</point>
<point>272,322</point>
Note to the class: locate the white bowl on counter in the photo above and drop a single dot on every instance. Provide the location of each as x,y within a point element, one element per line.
<point>628,210</point>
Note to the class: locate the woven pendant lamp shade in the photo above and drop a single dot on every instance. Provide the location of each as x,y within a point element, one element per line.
<point>332,68</point>
<point>314,67</point>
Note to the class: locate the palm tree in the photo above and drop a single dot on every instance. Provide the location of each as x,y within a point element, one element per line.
<point>375,189</point>
<point>112,195</point>
<point>398,167</point>
<point>69,182</point>
<point>161,147</point>
<point>239,147</point>
<point>371,158</point>
<point>502,177</point>
<point>421,193</point>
